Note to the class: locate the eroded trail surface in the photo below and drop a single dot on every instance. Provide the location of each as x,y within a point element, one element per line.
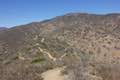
<point>54,74</point>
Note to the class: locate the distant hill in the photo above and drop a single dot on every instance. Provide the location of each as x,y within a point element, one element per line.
<point>3,28</point>
<point>26,49</point>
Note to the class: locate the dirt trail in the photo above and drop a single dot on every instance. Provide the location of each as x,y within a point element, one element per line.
<point>54,74</point>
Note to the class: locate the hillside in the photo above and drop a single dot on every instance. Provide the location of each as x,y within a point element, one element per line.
<point>70,40</point>
<point>3,28</point>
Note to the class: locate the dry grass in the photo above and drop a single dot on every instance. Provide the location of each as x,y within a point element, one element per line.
<point>90,69</point>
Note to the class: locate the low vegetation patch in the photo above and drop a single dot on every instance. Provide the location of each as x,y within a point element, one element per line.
<point>38,60</point>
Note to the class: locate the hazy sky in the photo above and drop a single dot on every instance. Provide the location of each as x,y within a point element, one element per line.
<point>17,12</point>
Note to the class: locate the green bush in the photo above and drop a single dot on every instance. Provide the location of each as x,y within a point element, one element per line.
<point>38,60</point>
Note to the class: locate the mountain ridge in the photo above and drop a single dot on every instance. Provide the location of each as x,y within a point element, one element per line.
<point>105,25</point>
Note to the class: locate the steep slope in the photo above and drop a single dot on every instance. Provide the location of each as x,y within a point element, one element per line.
<point>58,42</point>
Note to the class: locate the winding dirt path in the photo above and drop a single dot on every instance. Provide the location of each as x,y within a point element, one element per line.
<point>54,74</point>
